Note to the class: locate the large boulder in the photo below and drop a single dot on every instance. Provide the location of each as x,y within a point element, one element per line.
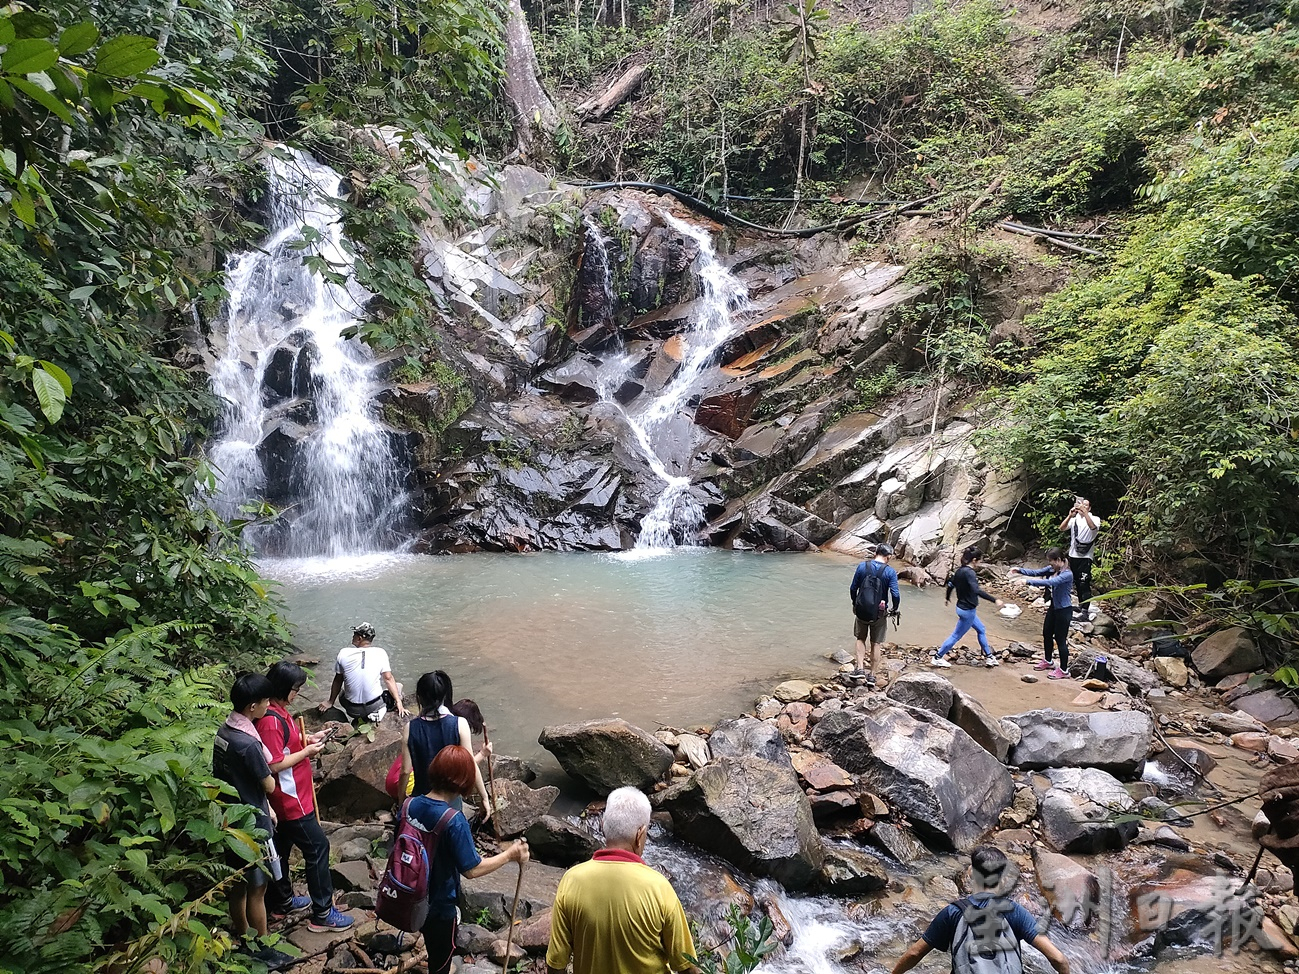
<point>744,736</point>
<point>1072,890</point>
<point>520,806</point>
<point>352,780</point>
<point>922,765</point>
<point>495,892</point>
<point>1075,823</point>
<point>851,872</point>
<point>1117,742</point>
<point>995,735</point>
<point>928,691</point>
<point>1226,652</point>
<point>752,813</point>
<point>560,842</point>
<point>607,753</point>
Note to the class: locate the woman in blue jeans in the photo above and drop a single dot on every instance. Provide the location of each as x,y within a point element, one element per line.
<point>965,582</point>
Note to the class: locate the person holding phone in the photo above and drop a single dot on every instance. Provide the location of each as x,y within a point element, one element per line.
<point>1083,527</point>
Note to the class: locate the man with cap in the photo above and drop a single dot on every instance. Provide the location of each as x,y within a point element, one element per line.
<point>877,575</point>
<point>362,679</point>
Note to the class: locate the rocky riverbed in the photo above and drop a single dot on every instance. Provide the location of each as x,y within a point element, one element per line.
<point>844,814</point>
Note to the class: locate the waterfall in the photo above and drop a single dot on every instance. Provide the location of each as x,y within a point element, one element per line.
<point>676,515</point>
<point>299,427</point>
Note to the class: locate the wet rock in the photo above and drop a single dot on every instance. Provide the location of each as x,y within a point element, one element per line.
<point>743,736</point>
<point>1074,823</point>
<point>898,843</point>
<point>781,929</point>
<point>928,691</point>
<point>922,765</point>
<point>560,842</point>
<point>277,380</point>
<point>727,413</point>
<point>1268,706</point>
<point>753,813</point>
<point>352,782</point>
<point>1226,652</point>
<point>1115,742</point>
<point>1250,741</point>
<point>1234,723</point>
<point>829,804</point>
<point>1137,679</point>
<point>520,806</point>
<point>792,690</point>
<point>1072,890</point>
<point>607,753</point>
<point>695,750</point>
<point>1022,811</point>
<point>820,772</point>
<point>495,892</point>
<point>994,735</point>
<point>1094,785</point>
<point>1171,670</point>
<point>851,872</point>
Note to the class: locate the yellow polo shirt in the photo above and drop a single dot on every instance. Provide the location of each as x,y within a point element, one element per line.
<point>616,915</point>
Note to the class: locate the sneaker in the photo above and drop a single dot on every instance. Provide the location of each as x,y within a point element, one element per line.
<point>1043,664</point>
<point>991,661</point>
<point>1057,674</point>
<point>1093,611</point>
<point>940,661</point>
<point>336,920</point>
<point>870,681</point>
<point>275,960</point>
<point>298,903</point>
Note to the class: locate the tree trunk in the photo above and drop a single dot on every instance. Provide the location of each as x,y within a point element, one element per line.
<point>534,113</point>
<point>601,106</point>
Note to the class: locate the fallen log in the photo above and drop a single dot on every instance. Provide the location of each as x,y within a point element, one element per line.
<point>1050,238</point>
<point>617,93</point>
<point>1054,233</point>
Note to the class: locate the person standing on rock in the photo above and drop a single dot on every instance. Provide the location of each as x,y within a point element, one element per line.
<point>983,931</point>
<point>1083,528</point>
<point>1055,626</point>
<point>361,674</point>
<point>614,914</point>
<point>434,728</point>
<point>450,778</point>
<point>295,807</point>
<point>873,581</point>
<point>965,583</point>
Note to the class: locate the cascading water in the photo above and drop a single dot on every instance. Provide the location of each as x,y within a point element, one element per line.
<point>300,428</point>
<point>676,515</point>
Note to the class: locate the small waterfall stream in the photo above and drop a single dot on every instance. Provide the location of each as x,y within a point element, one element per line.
<point>676,516</point>
<point>300,429</point>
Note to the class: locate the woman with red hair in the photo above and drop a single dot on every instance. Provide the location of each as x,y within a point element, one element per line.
<point>452,775</point>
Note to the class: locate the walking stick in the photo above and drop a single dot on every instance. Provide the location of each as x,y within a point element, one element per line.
<point>1253,870</point>
<point>302,729</point>
<point>509,939</point>
<point>491,782</point>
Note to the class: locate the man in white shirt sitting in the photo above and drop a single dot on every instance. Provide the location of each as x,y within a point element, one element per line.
<point>361,675</point>
<point>1083,528</point>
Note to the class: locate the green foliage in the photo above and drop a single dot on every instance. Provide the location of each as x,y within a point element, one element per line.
<point>750,943</point>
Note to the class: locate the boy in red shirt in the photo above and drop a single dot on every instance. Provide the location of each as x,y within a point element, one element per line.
<point>294,804</point>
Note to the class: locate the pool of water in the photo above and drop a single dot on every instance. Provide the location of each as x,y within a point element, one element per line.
<point>676,638</point>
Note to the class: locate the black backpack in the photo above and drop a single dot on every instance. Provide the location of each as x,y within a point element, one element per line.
<point>983,942</point>
<point>869,604</point>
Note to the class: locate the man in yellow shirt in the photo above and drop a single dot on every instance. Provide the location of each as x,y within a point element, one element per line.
<point>614,914</point>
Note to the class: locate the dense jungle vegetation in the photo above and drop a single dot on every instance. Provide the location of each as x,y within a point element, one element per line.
<point>1161,380</point>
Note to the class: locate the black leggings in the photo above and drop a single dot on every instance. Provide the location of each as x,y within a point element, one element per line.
<point>440,940</point>
<point>1055,627</point>
<point>1082,579</point>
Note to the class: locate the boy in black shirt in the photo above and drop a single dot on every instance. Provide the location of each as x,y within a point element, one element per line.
<point>240,759</point>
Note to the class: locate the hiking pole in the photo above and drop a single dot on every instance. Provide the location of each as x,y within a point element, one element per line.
<point>302,729</point>
<point>491,783</point>
<point>1253,870</point>
<point>509,938</point>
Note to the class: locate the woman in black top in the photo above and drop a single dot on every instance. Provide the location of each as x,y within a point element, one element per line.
<point>435,728</point>
<point>966,585</point>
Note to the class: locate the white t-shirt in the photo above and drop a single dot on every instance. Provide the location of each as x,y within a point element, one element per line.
<point>1080,532</point>
<point>361,667</point>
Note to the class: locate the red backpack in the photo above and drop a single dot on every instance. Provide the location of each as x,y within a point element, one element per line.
<point>402,896</point>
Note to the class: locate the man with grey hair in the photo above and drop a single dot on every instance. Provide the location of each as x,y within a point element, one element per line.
<point>614,914</point>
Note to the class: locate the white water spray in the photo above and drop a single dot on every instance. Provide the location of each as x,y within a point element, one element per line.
<point>299,426</point>
<point>676,515</point>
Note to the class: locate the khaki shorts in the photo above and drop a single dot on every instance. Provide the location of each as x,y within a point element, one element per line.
<point>871,632</point>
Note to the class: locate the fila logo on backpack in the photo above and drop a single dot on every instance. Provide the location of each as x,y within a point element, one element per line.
<point>402,896</point>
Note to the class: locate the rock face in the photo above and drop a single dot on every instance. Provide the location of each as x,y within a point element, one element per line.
<point>519,806</point>
<point>560,842</point>
<point>1226,652</point>
<point>495,891</point>
<point>743,736</point>
<point>607,753</point>
<point>353,779</point>
<point>929,769</point>
<point>1074,823</point>
<point>928,691</point>
<point>1117,742</point>
<point>753,813</point>
<point>1071,888</point>
<point>851,872</point>
<point>994,735</point>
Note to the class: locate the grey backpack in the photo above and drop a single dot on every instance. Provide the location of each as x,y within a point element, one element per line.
<point>984,942</point>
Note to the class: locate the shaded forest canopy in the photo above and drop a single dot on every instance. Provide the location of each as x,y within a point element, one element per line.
<point>1160,381</point>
